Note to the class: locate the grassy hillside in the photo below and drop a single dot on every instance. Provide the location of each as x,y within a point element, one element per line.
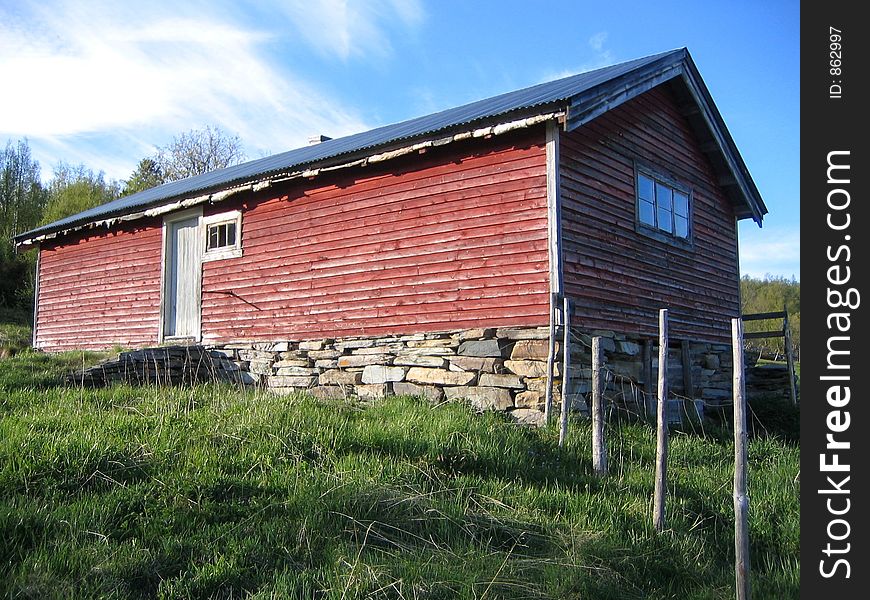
<point>216,492</point>
<point>15,331</point>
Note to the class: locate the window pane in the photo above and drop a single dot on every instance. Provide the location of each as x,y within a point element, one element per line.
<point>681,204</point>
<point>646,212</point>
<point>221,235</point>
<point>663,196</point>
<point>681,226</point>
<point>212,238</point>
<point>665,223</point>
<point>644,187</point>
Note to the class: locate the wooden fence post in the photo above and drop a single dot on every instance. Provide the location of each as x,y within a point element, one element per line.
<point>661,426</point>
<point>599,448</point>
<point>688,386</point>
<point>741,500</point>
<point>566,364</point>
<point>789,357</point>
<point>648,386</point>
<point>551,358</point>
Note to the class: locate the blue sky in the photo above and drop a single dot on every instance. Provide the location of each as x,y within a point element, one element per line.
<point>104,83</point>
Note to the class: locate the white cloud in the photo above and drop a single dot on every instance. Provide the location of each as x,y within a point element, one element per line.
<point>596,42</point>
<point>601,56</point>
<point>772,250</point>
<point>345,28</point>
<point>127,77</point>
<point>596,57</point>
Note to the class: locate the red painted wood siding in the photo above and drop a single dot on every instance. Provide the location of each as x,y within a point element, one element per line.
<point>100,288</point>
<point>618,277</point>
<point>455,238</point>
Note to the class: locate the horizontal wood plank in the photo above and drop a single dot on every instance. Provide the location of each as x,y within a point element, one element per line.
<point>81,306</point>
<point>455,238</point>
<point>764,316</point>
<point>756,335</point>
<point>620,278</point>
<point>463,241</point>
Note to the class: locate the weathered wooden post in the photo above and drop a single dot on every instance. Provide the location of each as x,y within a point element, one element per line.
<point>566,363</point>
<point>648,388</point>
<point>551,358</point>
<point>599,448</point>
<point>688,403</point>
<point>661,426</point>
<point>789,356</point>
<point>741,500</point>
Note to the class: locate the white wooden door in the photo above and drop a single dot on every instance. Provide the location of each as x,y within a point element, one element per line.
<point>182,286</point>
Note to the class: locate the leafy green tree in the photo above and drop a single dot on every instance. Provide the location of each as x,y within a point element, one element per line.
<point>77,188</point>
<point>22,197</point>
<point>198,151</point>
<point>148,174</point>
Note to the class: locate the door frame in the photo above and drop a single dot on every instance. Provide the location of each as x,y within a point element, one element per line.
<point>165,253</point>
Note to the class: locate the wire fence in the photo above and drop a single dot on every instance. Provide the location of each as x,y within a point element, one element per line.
<point>629,401</point>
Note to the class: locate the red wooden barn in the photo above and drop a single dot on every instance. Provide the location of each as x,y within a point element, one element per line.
<point>620,188</point>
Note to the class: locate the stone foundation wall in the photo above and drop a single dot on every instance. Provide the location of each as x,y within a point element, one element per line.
<point>494,369</point>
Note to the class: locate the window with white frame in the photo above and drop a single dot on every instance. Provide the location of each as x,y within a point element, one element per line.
<point>223,235</point>
<point>663,205</point>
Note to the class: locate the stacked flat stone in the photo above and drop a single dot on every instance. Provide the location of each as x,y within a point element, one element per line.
<point>493,369</point>
<point>168,365</point>
<point>501,369</point>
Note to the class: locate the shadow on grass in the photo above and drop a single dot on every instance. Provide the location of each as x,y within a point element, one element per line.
<point>41,371</point>
<point>310,499</point>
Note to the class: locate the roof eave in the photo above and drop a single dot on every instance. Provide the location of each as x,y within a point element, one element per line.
<point>740,179</point>
<point>736,181</point>
<point>550,110</point>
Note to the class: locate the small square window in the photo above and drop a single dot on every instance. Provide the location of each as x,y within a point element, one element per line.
<point>221,235</point>
<point>663,205</point>
<point>222,239</point>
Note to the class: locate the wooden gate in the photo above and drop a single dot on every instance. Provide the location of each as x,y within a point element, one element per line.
<point>784,333</point>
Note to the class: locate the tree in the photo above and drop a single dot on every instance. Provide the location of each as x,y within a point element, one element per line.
<point>77,188</point>
<point>771,294</point>
<point>148,174</point>
<point>22,197</point>
<point>198,151</point>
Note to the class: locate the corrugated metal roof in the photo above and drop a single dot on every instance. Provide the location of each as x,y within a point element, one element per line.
<point>524,99</point>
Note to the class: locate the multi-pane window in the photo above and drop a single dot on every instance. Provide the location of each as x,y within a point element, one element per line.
<point>222,235</point>
<point>662,206</point>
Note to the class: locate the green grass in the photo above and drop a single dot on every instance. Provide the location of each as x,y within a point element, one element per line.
<point>15,330</point>
<point>218,492</point>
